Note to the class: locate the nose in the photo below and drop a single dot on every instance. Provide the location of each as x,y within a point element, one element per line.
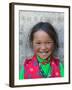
<point>43,47</point>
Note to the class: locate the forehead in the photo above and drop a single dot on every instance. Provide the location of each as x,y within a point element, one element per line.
<point>41,36</point>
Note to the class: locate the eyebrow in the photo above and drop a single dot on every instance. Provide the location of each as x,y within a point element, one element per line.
<point>44,42</point>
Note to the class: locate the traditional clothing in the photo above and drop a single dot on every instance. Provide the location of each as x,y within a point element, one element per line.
<point>41,68</point>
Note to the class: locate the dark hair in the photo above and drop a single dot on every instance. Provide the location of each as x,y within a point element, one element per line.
<point>46,27</point>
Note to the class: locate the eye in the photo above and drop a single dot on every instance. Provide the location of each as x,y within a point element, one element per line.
<point>38,43</point>
<point>49,42</point>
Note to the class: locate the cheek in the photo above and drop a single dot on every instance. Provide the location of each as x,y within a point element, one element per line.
<point>50,48</point>
<point>35,50</point>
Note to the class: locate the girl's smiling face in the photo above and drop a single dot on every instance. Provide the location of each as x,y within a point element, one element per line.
<point>43,44</point>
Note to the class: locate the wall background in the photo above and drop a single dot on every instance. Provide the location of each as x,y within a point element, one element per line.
<point>4,45</point>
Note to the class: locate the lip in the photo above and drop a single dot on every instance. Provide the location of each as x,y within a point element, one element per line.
<point>44,53</point>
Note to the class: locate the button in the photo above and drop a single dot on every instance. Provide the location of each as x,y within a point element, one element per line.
<point>52,63</point>
<point>56,73</point>
<point>31,69</point>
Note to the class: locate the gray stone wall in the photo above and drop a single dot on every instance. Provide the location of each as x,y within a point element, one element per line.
<point>26,21</point>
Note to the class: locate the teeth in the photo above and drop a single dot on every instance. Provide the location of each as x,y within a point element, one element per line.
<point>43,53</point>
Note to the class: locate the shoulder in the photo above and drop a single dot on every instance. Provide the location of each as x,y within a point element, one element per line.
<point>55,60</point>
<point>58,60</point>
<point>28,61</point>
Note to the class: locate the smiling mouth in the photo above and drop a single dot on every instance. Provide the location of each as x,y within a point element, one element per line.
<point>44,53</point>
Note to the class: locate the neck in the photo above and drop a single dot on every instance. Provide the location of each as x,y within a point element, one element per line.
<point>42,60</point>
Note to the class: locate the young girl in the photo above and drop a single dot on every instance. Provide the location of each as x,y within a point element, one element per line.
<point>44,41</point>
